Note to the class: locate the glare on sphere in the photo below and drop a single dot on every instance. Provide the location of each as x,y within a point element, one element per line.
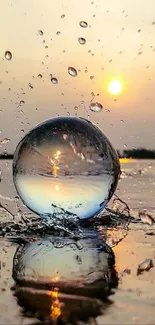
<point>65,163</point>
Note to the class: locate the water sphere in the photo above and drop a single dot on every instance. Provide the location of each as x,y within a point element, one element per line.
<point>65,163</point>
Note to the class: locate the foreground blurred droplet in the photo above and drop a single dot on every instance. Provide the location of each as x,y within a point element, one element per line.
<point>8,55</point>
<point>72,71</point>
<point>65,164</point>
<point>81,40</point>
<point>83,24</point>
<point>64,279</point>
<point>95,107</point>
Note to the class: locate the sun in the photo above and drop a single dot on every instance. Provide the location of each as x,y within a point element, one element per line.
<point>115,87</point>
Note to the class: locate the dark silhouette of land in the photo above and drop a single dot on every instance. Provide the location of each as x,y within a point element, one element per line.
<point>6,156</point>
<point>139,153</point>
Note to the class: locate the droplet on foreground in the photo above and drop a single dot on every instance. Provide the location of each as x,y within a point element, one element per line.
<point>54,80</point>
<point>83,24</point>
<point>72,71</point>
<point>8,55</point>
<point>78,175</point>
<point>82,40</point>
<point>96,107</point>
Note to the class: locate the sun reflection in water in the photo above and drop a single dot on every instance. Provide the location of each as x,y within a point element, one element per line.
<point>55,163</point>
<point>55,304</point>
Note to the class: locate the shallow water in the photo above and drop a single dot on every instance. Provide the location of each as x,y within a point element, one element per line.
<point>133,300</point>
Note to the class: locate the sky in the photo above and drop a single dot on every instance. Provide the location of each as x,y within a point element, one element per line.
<point>120,44</point>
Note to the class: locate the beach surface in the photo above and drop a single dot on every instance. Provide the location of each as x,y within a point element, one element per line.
<point>134,300</point>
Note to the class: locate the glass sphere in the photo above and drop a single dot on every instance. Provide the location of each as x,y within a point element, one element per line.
<point>65,163</point>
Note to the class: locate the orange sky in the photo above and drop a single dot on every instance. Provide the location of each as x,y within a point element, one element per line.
<point>119,30</point>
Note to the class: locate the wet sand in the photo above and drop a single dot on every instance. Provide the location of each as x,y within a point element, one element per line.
<point>133,300</point>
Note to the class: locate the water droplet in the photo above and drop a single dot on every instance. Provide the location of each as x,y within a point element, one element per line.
<point>40,32</point>
<point>52,173</point>
<point>82,40</point>
<point>39,76</point>
<point>58,32</point>
<point>4,141</point>
<point>54,80</point>
<point>95,107</point>
<point>8,55</point>
<point>83,24</point>
<point>62,16</point>
<point>30,85</point>
<point>21,103</point>
<point>72,71</point>
<point>91,77</point>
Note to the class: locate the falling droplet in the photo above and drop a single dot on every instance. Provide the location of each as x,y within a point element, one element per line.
<point>72,71</point>
<point>83,24</point>
<point>8,55</point>
<point>30,85</point>
<point>21,103</point>
<point>82,40</point>
<point>54,80</point>
<point>4,141</point>
<point>40,76</point>
<point>40,32</point>
<point>95,107</point>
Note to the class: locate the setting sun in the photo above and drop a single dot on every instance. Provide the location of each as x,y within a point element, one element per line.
<point>115,87</point>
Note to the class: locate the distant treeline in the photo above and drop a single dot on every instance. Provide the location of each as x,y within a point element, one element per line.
<point>139,153</point>
<point>6,156</point>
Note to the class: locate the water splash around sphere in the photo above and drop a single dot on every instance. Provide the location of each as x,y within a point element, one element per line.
<point>65,164</point>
